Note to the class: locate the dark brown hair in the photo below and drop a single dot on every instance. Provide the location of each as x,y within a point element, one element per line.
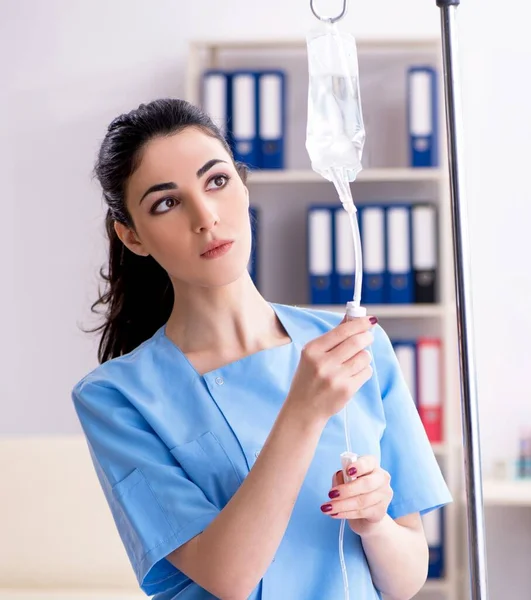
<point>139,294</point>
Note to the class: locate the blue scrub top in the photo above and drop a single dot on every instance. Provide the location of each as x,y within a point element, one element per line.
<point>170,448</point>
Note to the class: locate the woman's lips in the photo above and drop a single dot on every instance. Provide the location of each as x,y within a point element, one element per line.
<point>218,251</point>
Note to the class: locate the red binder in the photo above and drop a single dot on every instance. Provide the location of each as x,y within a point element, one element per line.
<point>429,386</point>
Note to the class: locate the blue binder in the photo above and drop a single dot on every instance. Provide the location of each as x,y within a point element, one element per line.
<point>422,114</point>
<point>344,267</point>
<point>216,99</point>
<point>244,117</point>
<point>320,254</point>
<point>254,216</point>
<point>272,118</point>
<point>406,354</point>
<point>434,528</point>
<point>373,234</point>
<point>400,283</point>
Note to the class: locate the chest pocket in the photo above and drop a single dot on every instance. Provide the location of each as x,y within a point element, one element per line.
<point>208,465</point>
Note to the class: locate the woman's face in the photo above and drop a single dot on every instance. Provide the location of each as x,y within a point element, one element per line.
<point>186,193</point>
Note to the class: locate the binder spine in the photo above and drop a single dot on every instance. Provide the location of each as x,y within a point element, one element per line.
<point>244,118</point>
<point>320,254</point>
<point>373,239</point>
<point>216,98</point>
<point>344,263</point>
<point>434,529</point>
<point>422,116</point>
<point>429,387</point>
<point>406,354</point>
<point>254,216</point>
<point>272,118</point>
<point>424,252</point>
<point>399,281</point>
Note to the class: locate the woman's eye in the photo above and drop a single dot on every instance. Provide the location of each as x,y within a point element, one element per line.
<point>164,205</point>
<point>218,181</point>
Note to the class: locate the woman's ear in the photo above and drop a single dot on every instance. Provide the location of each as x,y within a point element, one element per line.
<point>130,239</point>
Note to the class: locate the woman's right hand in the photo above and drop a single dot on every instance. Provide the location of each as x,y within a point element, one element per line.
<point>332,368</point>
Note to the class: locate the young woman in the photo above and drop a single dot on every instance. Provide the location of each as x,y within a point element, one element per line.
<point>214,419</point>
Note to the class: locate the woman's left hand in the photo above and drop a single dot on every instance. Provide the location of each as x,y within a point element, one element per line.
<point>364,501</point>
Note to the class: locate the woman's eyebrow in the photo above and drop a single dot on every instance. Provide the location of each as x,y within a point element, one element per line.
<point>159,187</point>
<point>170,185</point>
<point>208,165</point>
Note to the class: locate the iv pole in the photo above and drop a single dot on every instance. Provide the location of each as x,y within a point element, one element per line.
<point>469,404</point>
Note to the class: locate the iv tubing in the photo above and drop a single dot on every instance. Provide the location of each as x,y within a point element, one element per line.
<point>341,183</point>
<point>354,310</point>
<point>342,559</point>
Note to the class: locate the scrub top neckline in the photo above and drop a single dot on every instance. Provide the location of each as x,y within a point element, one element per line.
<point>284,320</point>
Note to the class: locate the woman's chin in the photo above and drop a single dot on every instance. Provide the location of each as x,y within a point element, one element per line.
<point>225,277</point>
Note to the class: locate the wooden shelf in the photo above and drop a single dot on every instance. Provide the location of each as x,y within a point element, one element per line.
<point>440,448</point>
<point>434,585</point>
<point>506,493</point>
<point>390,311</point>
<point>434,175</point>
<point>392,44</point>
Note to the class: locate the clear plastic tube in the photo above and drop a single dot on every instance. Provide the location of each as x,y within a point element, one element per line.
<point>335,138</point>
<point>355,309</point>
<point>343,521</point>
<point>342,559</point>
<point>341,182</point>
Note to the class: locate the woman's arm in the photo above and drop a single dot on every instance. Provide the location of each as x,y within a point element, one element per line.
<point>396,550</point>
<point>232,554</point>
<point>397,553</point>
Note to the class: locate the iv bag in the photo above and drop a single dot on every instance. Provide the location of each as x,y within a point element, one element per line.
<point>335,133</point>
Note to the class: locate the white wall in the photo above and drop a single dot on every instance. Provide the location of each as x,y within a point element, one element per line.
<point>69,67</point>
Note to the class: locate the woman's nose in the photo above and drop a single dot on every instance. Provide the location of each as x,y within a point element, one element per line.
<point>203,215</point>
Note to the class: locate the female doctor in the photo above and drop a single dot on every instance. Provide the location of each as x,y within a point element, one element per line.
<point>214,419</point>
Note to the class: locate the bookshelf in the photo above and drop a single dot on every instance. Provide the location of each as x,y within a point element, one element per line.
<point>510,492</point>
<point>369,175</point>
<point>284,195</point>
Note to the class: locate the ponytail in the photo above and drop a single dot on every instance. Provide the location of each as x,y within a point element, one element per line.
<point>139,298</point>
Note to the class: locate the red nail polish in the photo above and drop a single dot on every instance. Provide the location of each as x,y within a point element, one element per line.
<point>352,471</point>
<point>373,320</point>
<point>334,514</point>
<point>333,494</point>
<point>326,507</point>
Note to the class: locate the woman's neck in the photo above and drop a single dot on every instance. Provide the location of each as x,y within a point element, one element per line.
<point>234,320</point>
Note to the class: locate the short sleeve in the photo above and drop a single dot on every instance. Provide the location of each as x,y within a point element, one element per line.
<point>406,452</point>
<point>155,506</point>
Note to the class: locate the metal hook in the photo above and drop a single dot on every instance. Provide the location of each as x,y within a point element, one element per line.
<point>330,19</point>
